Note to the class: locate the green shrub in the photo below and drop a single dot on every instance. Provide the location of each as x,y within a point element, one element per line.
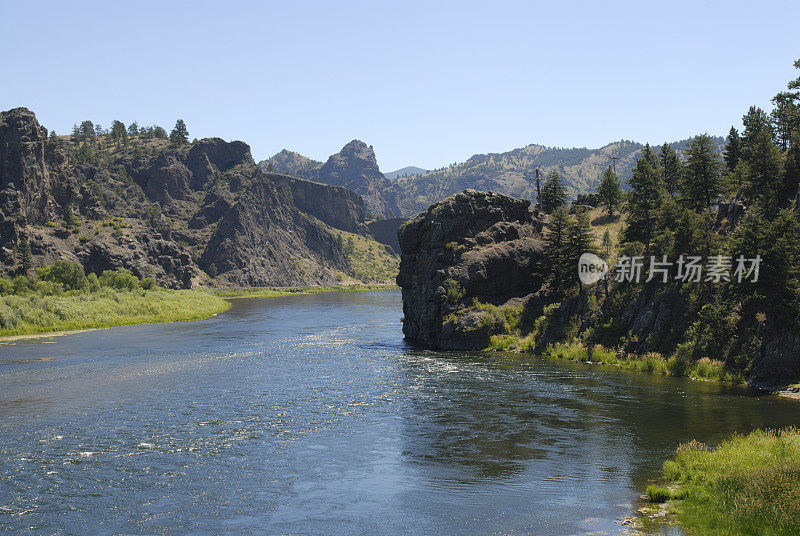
<point>22,284</point>
<point>453,292</point>
<point>119,279</point>
<point>658,494</point>
<point>6,287</point>
<point>49,288</point>
<point>92,284</point>
<point>68,274</point>
<point>148,283</point>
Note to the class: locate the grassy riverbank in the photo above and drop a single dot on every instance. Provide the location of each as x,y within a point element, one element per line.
<point>746,486</point>
<point>37,313</point>
<point>269,292</point>
<point>652,363</point>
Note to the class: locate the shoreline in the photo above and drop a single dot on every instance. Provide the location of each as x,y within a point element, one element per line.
<point>224,295</point>
<point>273,292</point>
<point>654,364</point>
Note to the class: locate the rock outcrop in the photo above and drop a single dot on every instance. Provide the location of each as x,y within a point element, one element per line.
<point>335,205</point>
<point>171,213</point>
<point>471,246</point>
<point>356,168</point>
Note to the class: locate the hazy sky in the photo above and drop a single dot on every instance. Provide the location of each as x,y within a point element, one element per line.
<point>426,83</point>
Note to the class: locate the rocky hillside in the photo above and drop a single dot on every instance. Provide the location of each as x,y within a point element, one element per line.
<point>355,168</point>
<point>471,246</point>
<point>409,191</point>
<point>180,214</point>
<point>511,172</point>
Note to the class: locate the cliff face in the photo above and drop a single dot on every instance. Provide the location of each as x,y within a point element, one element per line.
<point>473,245</point>
<point>335,205</point>
<point>171,213</point>
<point>354,168</point>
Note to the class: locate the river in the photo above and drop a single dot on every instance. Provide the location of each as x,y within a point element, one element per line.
<point>309,415</point>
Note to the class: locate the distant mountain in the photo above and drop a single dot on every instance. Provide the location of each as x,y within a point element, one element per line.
<point>406,172</point>
<point>509,173</point>
<point>354,167</point>
<point>512,172</point>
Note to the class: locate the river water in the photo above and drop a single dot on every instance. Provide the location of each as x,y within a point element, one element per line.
<point>309,415</point>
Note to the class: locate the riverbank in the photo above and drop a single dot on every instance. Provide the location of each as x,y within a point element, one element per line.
<point>651,363</point>
<point>747,485</point>
<point>270,292</point>
<point>36,313</point>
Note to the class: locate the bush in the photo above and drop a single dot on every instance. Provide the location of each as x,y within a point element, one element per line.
<point>454,292</point>
<point>119,279</point>
<point>6,287</point>
<point>148,283</point>
<point>68,274</point>
<point>658,494</point>
<point>49,288</point>
<point>92,284</point>
<point>22,284</point>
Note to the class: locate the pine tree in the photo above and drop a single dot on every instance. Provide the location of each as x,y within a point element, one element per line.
<point>765,172</point>
<point>118,132</point>
<point>133,129</point>
<point>647,189</point>
<point>702,179</point>
<point>733,149</point>
<point>580,240</point>
<point>607,244</point>
<point>554,252</point>
<point>671,167</point>
<point>554,194</point>
<point>25,256</point>
<point>610,191</point>
<point>179,134</point>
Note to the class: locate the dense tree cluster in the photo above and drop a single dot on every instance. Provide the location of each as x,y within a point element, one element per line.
<point>743,202</point>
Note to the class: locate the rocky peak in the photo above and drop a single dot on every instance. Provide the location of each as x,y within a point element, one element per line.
<point>209,154</point>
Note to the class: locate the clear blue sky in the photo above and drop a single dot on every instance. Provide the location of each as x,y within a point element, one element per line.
<point>426,83</point>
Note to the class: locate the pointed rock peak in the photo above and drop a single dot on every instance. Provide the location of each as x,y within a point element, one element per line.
<point>360,150</point>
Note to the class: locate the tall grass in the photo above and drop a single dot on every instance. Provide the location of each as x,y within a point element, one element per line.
<point>748,485</point>
<point>37,313</point>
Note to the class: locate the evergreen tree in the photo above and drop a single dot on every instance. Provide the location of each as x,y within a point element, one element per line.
<point>554,194</point>
<point>159,133</point>
<point>733,149</point>
<point>671,167</point>
<point>607,244</point>
<point>610,191</point>
<point>580,240</point>
<point>118,132</point>
<point>554,251</point>
<point>702,180</point>
<point>179,134</point>
<point>756,123</point>
<point>133,129</point>
<point>86,130</point>
<point>764,172</point>
<point>25,256</point>
<point>647,190</point>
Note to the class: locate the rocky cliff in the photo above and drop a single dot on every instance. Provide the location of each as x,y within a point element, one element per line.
<point>179,214</point>
<point>473,246</point>
<point>335,205</point>
<point>354,168</point>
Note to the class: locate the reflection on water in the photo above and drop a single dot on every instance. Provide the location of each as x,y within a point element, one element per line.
<point>309,415</point>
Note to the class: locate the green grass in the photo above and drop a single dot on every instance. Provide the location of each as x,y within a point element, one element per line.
<point>269,292</point>
<point>749,485</point>
<point>33,312</point>
<point>370,261</point>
